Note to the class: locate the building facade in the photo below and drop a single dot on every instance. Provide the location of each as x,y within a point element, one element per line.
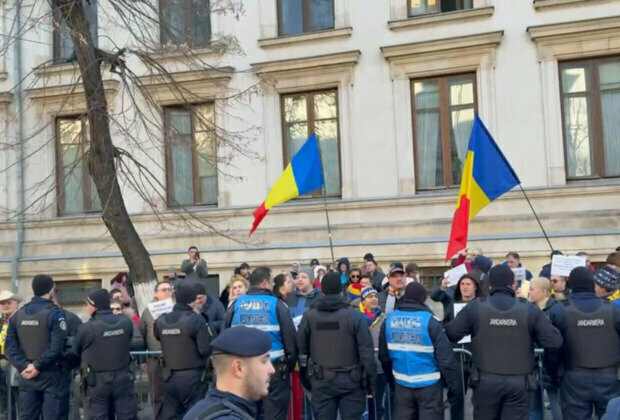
<point>390,87</point>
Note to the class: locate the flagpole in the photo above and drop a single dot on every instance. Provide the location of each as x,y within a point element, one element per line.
<point>324,191</point>
<point>536,216</point>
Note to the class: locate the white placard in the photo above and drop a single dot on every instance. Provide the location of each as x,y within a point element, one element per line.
<point>520,273</point>
<point>297,321</point>
<point>455,274</point>
<point>160,307</point>
<point>562,265</point>
<point>458,307</point>
<point>524,290</point>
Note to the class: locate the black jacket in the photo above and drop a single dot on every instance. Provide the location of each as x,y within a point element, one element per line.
<point>85,338</point>
<point>444,355</point>
<point>214,313</point>
<point>198,328</point>
<point>287,328</point>
<point>541,330</point>
<point>356,326</point>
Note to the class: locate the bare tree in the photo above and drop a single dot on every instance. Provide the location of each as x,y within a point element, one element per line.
<point>151,36</point>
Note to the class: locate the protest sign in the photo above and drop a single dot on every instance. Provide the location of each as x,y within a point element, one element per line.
<point>455,274</point>
<point>520,274</point>
<point>161,307</point>
<point>458,307</point>
<point>562,265</point>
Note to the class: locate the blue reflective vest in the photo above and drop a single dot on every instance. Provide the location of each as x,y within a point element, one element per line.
<point>411,349</point>
<point>259,311</point>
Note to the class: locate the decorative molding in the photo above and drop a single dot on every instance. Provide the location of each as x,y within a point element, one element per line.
<point>577,39</point>
<point>442,56</point>
<point>68,98</point>
<point>288,40</point>
<point>186,86</point>
<point>178,52</point>
<point>343,59</point>
<point>6,98</point>
<point>459,16</point>
<point>551,4</point>
<point>64,69</point>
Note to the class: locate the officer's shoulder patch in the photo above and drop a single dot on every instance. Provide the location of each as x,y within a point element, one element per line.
<point>62,325</point>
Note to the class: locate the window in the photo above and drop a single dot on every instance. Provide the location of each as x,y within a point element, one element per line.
<point>185,22</point>
<point>443,114</point>
<point>191,155</point>
<point>591,105</point>
<point>74,292</point>
<point>76,189</point>
<point>423,7</point>
<point>299,16</point>
<point>63,44</point>
<point>314,112</point>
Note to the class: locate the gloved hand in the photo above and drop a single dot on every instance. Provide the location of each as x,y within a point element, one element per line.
<point>304,378</point>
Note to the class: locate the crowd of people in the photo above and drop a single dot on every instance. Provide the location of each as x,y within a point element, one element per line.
<point>340,335</point>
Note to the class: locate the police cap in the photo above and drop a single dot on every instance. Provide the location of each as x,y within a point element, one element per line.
<point>242,341</point>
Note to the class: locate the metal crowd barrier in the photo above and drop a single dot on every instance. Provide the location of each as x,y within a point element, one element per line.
<point>143,394</point>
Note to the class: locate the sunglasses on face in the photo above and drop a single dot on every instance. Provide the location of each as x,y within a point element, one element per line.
<point>354,276</point>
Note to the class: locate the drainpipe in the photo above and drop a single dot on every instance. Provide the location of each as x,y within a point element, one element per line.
<point>19,136</point>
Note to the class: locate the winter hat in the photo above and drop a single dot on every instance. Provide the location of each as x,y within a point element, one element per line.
<point>415,293</point>
<point>367,291</point>
<point>330,285</point>
<point>501,276</point>
<point>99,298</point>
<point>199,288</point>
<point>42,284</point>
<point>354,290</point>
<point>314,261</point>
<point>185,294</point>
<point>482,263</point>
<point>581,279</point>
<point>607,278</point>
<point>309,272</point>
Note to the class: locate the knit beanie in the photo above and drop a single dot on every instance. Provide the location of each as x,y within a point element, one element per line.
<point>99,298</point>
<point>42,284</point>
<point>367,291</point>
<point>415,293</point>
<point>581,279</point>
<point>354,290</point>
<point>607,278</point>
<point>309,273</point>
<point>199,288</point>
<point>501,276</point>
<point>185,294</point>
<point>330,285</point>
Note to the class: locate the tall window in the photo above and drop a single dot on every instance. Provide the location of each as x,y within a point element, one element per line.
<point>591,110</point>
<point>185,22</point>
<point>63,44</point>
<point>76,189</point>
<point>314,112</point>
<point>423,7</point>
<point>299,16</point>
<point>191,155</point>
<point>443,115</point>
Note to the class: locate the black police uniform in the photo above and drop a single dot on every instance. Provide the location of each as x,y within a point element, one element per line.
<point>275,405</point>
<point>103,344</point>
<point>184,338</point>
<point>503,331</point>
<point>336,350</point>
<point>589,356</point>
<point>244,342</point>
<point>36,335</point>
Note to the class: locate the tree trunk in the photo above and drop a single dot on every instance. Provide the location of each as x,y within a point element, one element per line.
<point>101,157</point>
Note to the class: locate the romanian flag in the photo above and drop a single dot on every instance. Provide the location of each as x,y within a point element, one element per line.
<point>486,175</point>
<point>302,176</point>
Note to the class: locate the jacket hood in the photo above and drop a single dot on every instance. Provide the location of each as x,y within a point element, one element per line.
<point>331,303</point>
<point>457,290</point>
<point>343,260</point>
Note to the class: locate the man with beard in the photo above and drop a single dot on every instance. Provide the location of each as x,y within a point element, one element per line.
<point>243,371</point>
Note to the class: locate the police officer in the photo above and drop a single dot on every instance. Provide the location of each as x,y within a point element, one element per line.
<point>503,330</point>
<point>243,370</point>
<point>184,338</point>
<point>260,309</point>
<point>589,356</point>
<point>415,354</point>
<point>103,345</point>
<point>35,344</point>
<point>336,351</point>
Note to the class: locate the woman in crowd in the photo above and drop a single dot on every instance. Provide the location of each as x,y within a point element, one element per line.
<point>282,286</point>
<point>238,286</point>
<point>355,274</point>
<point>368,304</point>
<point>319,272</point>
<point>343,268</point>
<point>540,295</point>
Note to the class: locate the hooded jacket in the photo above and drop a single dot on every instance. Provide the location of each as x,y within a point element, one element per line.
<point>452,295</point>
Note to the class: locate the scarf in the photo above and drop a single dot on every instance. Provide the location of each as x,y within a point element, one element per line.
<point>371,316</point>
